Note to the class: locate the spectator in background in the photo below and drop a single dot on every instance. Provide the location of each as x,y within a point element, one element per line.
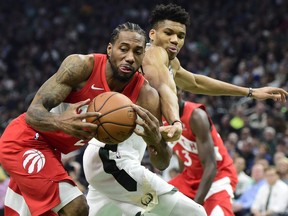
<point>272,197</point>
<point>238,120</point>
<point>263,162</point>
<point>269,139</point>
<point>262,153</point>
<point>282,169</point>
<point>231,143</point>
<point>245,150</point>
<point>244,180</point>
<point>277,156</point>
<point>258,119</point>
<point>242,205</point>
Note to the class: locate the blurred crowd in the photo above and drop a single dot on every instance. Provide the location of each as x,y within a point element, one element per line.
<point>240,42</point>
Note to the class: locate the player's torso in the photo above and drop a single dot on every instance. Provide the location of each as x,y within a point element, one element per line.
<point>186,148</point>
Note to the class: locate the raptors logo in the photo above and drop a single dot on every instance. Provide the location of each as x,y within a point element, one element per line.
<point>33,161</point>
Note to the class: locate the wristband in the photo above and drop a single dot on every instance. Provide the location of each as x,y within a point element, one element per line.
<point>250,92</point>
<point>177,121</point>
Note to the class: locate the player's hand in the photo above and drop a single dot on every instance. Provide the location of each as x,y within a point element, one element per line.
<point>171,133</point>
<point>73,123</point>
<point>150,124</point>
<point>276,94</point>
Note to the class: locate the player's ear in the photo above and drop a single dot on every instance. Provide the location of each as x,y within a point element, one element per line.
<point>109,48</point>
<point>152,33</point>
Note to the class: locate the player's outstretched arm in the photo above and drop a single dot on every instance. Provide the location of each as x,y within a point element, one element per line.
<point>74,70</point>
<point>156,71</point>
<point>200,84</point>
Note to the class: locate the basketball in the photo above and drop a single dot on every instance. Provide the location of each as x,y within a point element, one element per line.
<point>117,120</point>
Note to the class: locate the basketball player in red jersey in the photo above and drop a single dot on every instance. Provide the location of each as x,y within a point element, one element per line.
<point>31,145</point>
<point>209,176</point>
<point>161,66</point>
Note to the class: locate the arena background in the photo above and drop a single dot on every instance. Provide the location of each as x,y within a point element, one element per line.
<point>241,42</point>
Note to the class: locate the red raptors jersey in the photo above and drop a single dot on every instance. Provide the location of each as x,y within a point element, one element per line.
<point>95,85</point>
<point>186,149</point>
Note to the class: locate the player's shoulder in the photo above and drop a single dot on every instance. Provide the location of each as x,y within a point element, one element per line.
<point>80,58</point>
<point>78,66</point>
<point>153,53</point>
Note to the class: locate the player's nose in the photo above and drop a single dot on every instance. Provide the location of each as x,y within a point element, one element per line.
<point>130,57</point>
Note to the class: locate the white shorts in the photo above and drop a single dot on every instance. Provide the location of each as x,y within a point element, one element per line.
<point>173,203</point>
<point>120,184</point>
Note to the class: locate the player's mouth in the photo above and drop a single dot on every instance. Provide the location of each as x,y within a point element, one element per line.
<point>126,69</point>
<point>173,49</point>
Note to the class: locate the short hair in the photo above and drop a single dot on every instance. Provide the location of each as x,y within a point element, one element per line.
<point>171,12</point>
<point>128,26</point>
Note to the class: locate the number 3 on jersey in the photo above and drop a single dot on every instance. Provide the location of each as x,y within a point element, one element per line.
<point>185,157</point>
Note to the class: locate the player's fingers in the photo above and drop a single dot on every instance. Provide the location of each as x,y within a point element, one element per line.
<point>143,113</point>
<point>171,132</point>
<point>146,125</point>
<point>279,97</point>
<point>165,128</point>
<point>283,97</point>
<point>80,103</point>
<point>89,114</point>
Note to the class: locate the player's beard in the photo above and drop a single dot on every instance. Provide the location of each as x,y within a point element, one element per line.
<point>116,75</point>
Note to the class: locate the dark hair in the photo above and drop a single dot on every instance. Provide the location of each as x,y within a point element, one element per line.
<point>128,26</point>
<point>171,12</point>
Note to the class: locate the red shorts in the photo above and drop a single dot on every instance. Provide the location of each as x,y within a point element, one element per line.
<point>34,167</point>
<point>219,204</point>
<point>218,200</point>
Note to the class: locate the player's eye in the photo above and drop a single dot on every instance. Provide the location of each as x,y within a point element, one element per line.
<point>181,36</point>
<point>139,52</point>
<point>123,49</point>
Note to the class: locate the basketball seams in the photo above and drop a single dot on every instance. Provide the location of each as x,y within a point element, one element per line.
<point>107,113</point>
<point>105,101</point>
<point>106,131</point>
<point>111,111</point>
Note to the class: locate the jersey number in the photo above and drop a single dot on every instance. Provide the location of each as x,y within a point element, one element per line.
<point>185,154</point>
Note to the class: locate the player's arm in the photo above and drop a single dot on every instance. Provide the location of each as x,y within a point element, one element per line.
<point>74,70</point>
<point>150,114</point>
<point>200,84</point>
<point>201,128</point>
<point>155,66</point>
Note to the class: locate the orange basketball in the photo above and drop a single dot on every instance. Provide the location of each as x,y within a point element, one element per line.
<point>117,120</point>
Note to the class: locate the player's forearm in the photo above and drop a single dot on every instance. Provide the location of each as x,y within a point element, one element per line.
<point>169,104</point>
<point>205,185</point>
<point>160,155</point>
<point>170,108</point>
<point>40,119</point>
<point>208,86</point>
